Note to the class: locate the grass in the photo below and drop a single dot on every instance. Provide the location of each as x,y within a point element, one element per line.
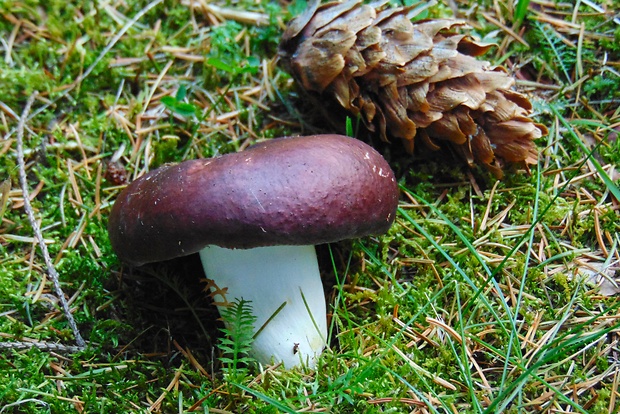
<point>485,296</point>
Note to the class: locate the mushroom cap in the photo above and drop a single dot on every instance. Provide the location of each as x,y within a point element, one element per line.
<point>285,191</point>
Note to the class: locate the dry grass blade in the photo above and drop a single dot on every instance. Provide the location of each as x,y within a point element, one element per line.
<point>418,369</point>
<point>5,188</point>
<point>173,383</point>
<point>225,13</point>
<point>104,52</point>
<point>475,301</point>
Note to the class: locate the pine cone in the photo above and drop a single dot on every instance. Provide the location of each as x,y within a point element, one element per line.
<point>411,80</point>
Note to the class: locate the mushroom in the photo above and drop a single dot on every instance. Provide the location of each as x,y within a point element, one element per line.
<point>254,217</point>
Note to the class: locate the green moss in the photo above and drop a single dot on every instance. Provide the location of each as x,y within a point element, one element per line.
<point>433,263</point>
<point>165,150</point>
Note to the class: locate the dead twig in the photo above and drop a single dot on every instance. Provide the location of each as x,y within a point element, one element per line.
<point>51,270</point>
<point>44,346</point>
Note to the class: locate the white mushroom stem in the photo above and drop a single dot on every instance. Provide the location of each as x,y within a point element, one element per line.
<point>284,285</point>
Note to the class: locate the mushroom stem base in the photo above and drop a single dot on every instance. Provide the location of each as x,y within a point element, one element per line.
<point>284,285</point>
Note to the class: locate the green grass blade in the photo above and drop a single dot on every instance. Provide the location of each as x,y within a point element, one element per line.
<point>520,11</point>
<point>609,183</point>
<point>271,401</point>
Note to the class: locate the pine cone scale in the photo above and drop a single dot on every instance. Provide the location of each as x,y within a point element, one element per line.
<point>411,80</point>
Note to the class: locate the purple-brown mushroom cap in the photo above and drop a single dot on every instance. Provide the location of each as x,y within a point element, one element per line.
<point>286,191</point>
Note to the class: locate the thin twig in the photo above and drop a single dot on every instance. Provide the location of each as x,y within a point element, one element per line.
<point>44,346</point>
<point>51,270</point>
